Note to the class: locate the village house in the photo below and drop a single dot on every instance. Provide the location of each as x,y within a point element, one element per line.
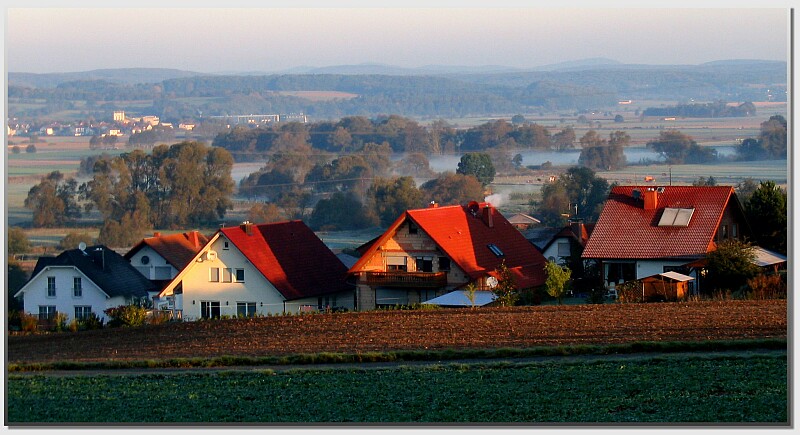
<point>79,282</point>
<point>161,257</point>
<point>645,231</point>
<point>427,253</point>
<point>259,269</point>
<point>568,242</point>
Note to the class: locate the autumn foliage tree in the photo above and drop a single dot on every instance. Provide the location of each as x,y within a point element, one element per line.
<point>53,200</point>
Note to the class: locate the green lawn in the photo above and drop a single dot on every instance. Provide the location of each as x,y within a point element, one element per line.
<point>696,390</point>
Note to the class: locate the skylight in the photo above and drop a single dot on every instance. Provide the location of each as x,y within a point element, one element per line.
<point>495,250</point>
<point>676,217</point>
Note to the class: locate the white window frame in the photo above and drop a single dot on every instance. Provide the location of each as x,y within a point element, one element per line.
<point>49,312</point>
<point>83,311</point>
<point>213,274</point>
<point>227,274</point>
<point>238,273</point>
<point>77,287</point>
<point>51,286</point>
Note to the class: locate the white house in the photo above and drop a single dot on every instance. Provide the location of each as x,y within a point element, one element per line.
<point>259,269</point>
<point>79,282</point>
<point>161,257</point>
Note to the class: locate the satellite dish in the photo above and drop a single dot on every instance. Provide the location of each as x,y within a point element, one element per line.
<point>82,246</point>
<point>211,255</point>
<point>473,207</point>
<point>491,282</point>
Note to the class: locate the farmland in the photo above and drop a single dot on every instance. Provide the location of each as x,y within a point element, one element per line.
<point>689,387</point>
<point>355,332</point>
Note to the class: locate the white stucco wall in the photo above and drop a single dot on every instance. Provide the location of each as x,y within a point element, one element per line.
<point>156,264</point>
<point>35,293</point>
<point>552,250</point>
<point>197,287</point>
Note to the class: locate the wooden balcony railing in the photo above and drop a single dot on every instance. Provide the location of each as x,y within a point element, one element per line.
<point>407,279</point>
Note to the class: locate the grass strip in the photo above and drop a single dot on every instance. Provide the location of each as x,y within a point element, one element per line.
<point>411,355</point>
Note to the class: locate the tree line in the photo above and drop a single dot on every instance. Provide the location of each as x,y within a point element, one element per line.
<point>403,135</point>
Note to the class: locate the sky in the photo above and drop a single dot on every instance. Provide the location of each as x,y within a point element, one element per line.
<point>42,38</point>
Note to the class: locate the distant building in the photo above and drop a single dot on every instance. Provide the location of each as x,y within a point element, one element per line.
<point>119,116</point>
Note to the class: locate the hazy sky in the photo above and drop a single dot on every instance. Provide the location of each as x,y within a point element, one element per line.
<point>51,39</point>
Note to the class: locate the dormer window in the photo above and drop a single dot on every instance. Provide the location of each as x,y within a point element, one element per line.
<point>412,228</point>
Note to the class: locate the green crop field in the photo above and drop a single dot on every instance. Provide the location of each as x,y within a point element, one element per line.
<point>742,388</point>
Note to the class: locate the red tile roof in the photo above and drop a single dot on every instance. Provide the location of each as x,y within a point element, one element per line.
<point>465,239</point>
<point>626,230</point>
<point>177,249</point>
<point>291,257</point>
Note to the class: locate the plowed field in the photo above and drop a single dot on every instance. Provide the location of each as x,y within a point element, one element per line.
<point>407,330</point>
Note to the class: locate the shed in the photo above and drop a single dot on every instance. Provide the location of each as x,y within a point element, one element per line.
<point>668,286</point>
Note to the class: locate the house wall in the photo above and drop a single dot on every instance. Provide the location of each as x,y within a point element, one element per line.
<point>156,268</point>
<point>197,287</point>
<point>552,250</point>
<point>35,293</point>
<point>730,218</point>
<point>405,244</point>
<point>337,300</point>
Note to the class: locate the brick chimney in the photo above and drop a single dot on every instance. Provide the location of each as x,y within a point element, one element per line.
<point>247,227</point>
<point>157,234</point>
<point>577,229</point>
<point>650,196</point>
<point>487,216</point>
<point>433,204</point>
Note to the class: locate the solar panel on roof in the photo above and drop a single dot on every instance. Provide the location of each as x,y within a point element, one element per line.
<point>676,217</point>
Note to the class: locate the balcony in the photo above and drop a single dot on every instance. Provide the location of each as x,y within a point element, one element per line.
<point>406,279</point>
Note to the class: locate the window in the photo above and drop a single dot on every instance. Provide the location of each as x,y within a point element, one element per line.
<point>734,231</point>
<point>245,309</point>
<point>213,274</point>
<point>145,259</point>
<point>495,250</point>
<point>563,249</point>
<point>424,264</point>
<point>83,312</point>
<point>227,275</point>
<point>209,309</point>
<point>163,272</point>
<point>77,288</point>
<point>225,246</point>
<point>676,217</point>
<point>239,275</point>
<point>444,264</point>
<point>325,303</point>
<point>51,286</point>
<point>723,232</point>
<point>47,312</point>
<point>396,264</point>
<point>412,228</point>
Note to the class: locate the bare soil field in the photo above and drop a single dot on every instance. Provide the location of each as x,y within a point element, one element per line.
<point>491,328</point>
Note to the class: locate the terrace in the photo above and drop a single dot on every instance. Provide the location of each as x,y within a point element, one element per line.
<point>407,279</point>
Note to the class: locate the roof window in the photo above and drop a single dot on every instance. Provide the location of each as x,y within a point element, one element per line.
<point>676,217</point>
<point>495,250</point>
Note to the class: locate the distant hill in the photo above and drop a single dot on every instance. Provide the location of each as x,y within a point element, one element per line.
<point>127,76</point>
<point>579,64</point>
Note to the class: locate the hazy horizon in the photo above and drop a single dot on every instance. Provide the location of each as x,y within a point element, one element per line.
<point>228,40</point>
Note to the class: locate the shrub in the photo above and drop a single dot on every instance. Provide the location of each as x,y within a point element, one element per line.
<point>91,322</point>
<point>596,295</point>
<point>74,325</point>
<point>158,317</point>
<point>60,322</point>
<point>766,287</point>
<point>28,322</point>
<point>126,315</point>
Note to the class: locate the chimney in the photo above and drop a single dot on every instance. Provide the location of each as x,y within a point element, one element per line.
<point>650,197</point>
<point>247,227</point>
<point>487,216</point>
<point>577,229</point>
<point>157,234</point>
<point>433,204</point>
<point>194,238</point>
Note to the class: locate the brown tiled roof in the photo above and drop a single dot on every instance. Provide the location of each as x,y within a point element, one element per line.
<point>465,238</point>
<point>177,249</point>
